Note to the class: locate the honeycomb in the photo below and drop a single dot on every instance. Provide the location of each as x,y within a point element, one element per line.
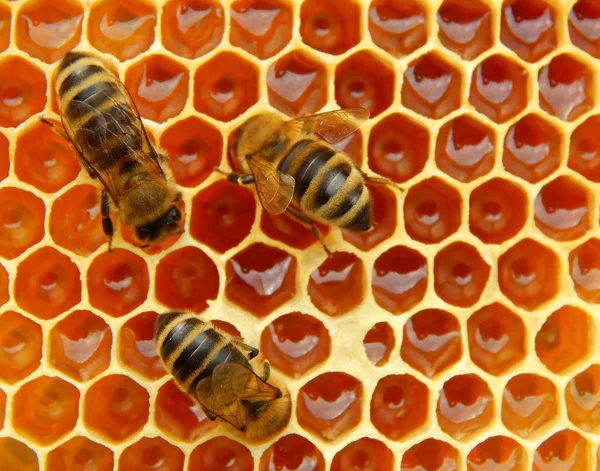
<point>460,333</point>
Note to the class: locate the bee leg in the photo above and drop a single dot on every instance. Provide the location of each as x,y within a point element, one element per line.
<point>266,371</point>
<point>236,178</point>
<point>54,128</point>
<point>381,181</point>
<point>107,225</point>
<point>305,221</point>
<point>252,351</point>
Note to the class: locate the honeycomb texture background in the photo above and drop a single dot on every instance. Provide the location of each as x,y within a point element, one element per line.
<point>461,333</point>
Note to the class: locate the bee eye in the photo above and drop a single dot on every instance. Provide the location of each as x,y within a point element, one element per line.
<point>173,216</point>
<point>142,232</point>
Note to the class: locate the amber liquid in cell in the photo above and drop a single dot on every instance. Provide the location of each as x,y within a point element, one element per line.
<point>582,395</point>
<point>290,231</point>
<point>20,347</point>
<point>379,343</point>
<point>330,27</point>
<point>365,454</point>
<point>430,455</point>
<point>584,150</point>
<point>564,451</point>
<point>292,452</point>
<point>496,454</point>
<point>79,453</point>
<point>221,453</point>
<point>17,456</point>
<point>5,17</point>
<point>465,27</point>
<point>22,91</point>
<point>584,21</point>
<point>21,221</point>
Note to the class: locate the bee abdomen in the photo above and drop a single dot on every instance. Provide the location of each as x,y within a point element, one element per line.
<point>312,163</point>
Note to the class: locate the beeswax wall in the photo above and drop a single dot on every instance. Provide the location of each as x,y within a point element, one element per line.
<point>460,333</point>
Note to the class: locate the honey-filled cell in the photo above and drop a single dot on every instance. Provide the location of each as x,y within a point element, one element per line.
<point>584,268</point>
<point>261,27</point>
<point>584,149</point>
<point>221,453</point>
<point>292,452</point>
<point>528,27</point>
<point>116,407</point>
<point>329,405</point>
<point>47,283</point>
<point>364,80</point>
<point>399,279</point>
<point>22,90</point>
<point>431,342</point>
<point>289,230</point>
<point>137,347</point>
<point>565,86</point>
<point>364,454</point>
<point>2,408</point>
<point>399,406</point>
<point>4,158</point>
<point>295,343</point>
<point>432,86</point>
<point>80,345</point>
<point>5,19</point>
<point>297,84</point>
<point>80,454</point>
<point>17,456</point>
<point>582,396</point>
<point>331,27</point>
<point>21,221</point>
<point>584,21</point>
<point>465,27</point>
<point>151,453</point>
<point>4,293</point>
<point>378,343</point>
<point>565,451</point>
<point>122,28</point>
<point>20,347</point>
<point>191,28</point>
<point>529,402</point>
<point>497,453</point>
<point>186,279</point>
<point>431,455</point>
<point>398,26</point>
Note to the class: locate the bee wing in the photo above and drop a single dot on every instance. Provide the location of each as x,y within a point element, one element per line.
<point>332,126</point>
<point>275,189</point>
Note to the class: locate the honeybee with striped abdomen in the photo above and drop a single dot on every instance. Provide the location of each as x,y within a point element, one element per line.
<point>295,161</point>
<point>103,124</point>
<point>224,375</point>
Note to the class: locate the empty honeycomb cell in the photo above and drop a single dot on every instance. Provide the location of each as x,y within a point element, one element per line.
<point>20,347</point>
<point>529,402</point>
<point>261,27</point>
<point>123,28</point>
<point>80,345</point>
<point>295,343</point>
<point>297,84</point>
<point>584,267</point>
<point>378,343</point>
<point>194,149</point>
<point>186,279</point>
<point>22,90</point>
<point>292,452</point>
<point>159,86</point>
<point>80,454</point>
<point>337,285</point>
<point>152,453</point>
<point>465,148</point>
<point>365,454</point>
<point>398,147</point>
<point>399,279</point>
<point>431,455</point>
<point>75,220</point>
<point>584,21</point>
<point>221,453</point>
<point>496,453</point>
<point>17,456</point>
<point>565,451</point>
<point>584,151</point>
<point>432,86</point>
<point>137,348</point>
<point>191,28</point>
<point>116,407</point>
<point>399,406</point>
<point>21,221</point>
<point>330,405</point>
<point>225,86</point>
<point>222,215</point>
<point>45,409</point>
<point>497,211</point>
<point>465,27</point>
<point>528,27</point>
<point>582,395</point>
<point>5,17</point>
<point>432,211</point>
<point>259,279</point>
<point>47,283</point>
<point>465,406</point>
<point>331,27</point>
<point>179,415</point>
<point>4,158</point>
<point>4,294</point>
<point>363,80</point>
<point>565,87</point>
<point>431,341</point>
<point>496,338</point>
<point>117,282</point>
<point>289,230</point>
<point>532,148</point>
<point>499,88</point>
<point>528,274</point>
<point>564,339</point>
<point>460,274</point>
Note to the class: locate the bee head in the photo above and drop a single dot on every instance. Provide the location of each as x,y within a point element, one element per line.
<point>163,226</point>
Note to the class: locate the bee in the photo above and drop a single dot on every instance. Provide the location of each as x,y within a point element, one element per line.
<point>103,124</point>
<point>218,372</point>
<point>294,160</point>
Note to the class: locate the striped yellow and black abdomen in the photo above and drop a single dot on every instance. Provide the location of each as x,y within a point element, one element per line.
<point>190,349</point>
<point>329,187</point>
